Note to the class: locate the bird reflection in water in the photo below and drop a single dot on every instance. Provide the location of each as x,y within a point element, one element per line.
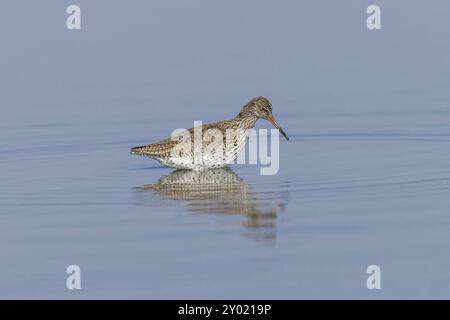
<point>218,191</point>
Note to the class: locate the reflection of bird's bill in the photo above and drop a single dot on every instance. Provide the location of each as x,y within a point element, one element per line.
<point>276,125</point>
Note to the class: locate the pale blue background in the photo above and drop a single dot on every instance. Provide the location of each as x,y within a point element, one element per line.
<point>364,180</point>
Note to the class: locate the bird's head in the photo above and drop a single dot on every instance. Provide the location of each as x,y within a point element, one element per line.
<point>262,108</point>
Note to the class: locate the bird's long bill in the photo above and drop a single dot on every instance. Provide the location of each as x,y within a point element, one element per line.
<point>276,125</point>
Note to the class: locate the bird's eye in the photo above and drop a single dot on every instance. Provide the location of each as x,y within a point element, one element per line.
<point>264,109</point>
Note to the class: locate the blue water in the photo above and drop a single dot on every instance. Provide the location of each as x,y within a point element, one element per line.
<point>364,179</point>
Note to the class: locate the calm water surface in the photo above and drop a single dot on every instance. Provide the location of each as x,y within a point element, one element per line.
<point>364,179</point>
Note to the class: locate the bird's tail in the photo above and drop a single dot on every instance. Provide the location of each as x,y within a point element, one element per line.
<point>137,150</point>
<point>152,150</point>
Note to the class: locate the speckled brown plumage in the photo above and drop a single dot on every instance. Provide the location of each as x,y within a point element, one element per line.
<point>165,152</point>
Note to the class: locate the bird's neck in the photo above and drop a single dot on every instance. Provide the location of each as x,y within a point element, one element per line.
<point>246,120</point>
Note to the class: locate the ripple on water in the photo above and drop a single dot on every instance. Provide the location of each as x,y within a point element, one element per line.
<point>354,166</point>
<point>330,168</point>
